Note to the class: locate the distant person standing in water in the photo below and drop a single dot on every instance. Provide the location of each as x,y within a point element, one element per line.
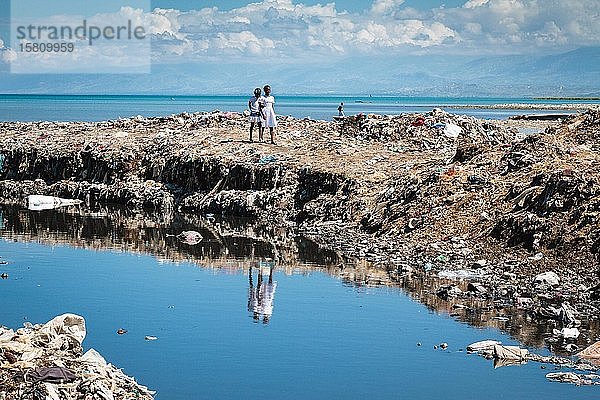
<point>254,107</point>
<point>268,113</point>
<point>341,110</point>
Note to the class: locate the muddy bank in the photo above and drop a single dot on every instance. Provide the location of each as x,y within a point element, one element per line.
<point>430,193</point>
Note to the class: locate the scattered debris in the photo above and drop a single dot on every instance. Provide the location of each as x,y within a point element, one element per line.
<point>576,379</point>
<point>48,361</point>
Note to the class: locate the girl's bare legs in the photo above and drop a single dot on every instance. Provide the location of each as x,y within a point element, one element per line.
<point>251,129</point>
<point>261,129</point>
<point>272,131</point>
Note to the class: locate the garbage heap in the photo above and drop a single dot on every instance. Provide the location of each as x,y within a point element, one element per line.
<point>46,362</point>
<point>435,130</point>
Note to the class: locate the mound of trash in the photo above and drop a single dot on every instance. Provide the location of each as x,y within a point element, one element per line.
<point>432,130</point>
<point>46,362</point>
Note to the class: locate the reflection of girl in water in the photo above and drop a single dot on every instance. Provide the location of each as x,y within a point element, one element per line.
<point>260,299</point>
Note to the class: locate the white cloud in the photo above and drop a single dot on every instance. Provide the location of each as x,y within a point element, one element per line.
<point>7,55</point>
<point>474,3</point>
<point>522,26</point>
<point>288,30</point>
<point>381,7</point>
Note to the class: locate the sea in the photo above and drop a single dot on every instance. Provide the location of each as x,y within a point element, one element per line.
<point>25,107</point>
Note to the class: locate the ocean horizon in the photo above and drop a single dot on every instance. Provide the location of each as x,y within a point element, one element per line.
<point>84,107</point>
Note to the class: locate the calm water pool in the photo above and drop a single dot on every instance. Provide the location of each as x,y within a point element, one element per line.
<point>326,338</point>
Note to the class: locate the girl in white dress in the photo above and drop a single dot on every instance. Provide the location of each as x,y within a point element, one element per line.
<point>268,113</point>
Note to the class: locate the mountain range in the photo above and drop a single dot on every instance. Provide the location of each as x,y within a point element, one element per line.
<point>568,74</point>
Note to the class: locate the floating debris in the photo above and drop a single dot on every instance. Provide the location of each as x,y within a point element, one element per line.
<point>190,237</point>
<point>39,202</point>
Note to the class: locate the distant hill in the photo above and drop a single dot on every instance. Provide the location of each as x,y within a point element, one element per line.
<point>573,73</point>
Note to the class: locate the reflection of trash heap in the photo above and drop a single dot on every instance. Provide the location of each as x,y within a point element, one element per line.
<point>47,362</point>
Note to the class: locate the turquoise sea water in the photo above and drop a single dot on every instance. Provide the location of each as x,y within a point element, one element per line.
<point>97,108</point>
<point>327,338</point>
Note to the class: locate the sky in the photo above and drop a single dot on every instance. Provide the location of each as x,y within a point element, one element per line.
<point>344,32</point>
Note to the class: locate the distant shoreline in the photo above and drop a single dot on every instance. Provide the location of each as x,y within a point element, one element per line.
<point>525,106</point>
<point>568,98</point>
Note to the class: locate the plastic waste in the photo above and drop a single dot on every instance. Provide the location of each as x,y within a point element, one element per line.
<point>452,130</point>
<point>49,355</point>
<point>547,278</point>
<point>40,202</point>
<point>267,160</point>
<point>190,237</point>
<point>510,353</point>
<point>419,121</point>
<point>93,357</point>
<point>66,324</point>
<point>567,333</point>
<point>483,346</point>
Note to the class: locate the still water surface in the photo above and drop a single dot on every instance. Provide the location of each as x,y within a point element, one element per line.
<point>326,338</point>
